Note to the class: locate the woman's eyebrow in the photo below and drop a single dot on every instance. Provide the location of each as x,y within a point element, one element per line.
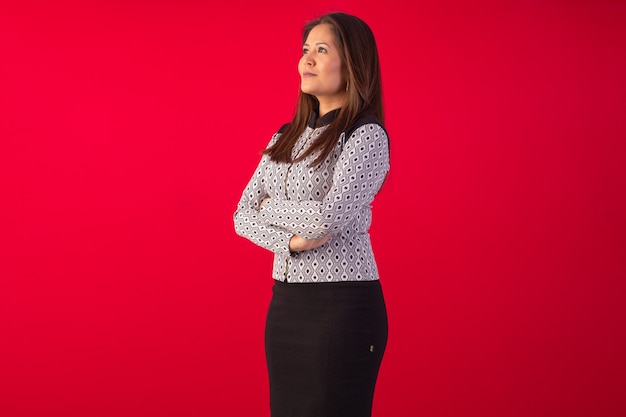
<point>317,43</point>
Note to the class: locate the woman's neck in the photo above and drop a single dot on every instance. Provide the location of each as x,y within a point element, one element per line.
<point>326,106</point>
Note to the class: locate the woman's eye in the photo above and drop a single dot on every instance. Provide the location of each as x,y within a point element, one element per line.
<point>305,51</point>
<point>322,50</point>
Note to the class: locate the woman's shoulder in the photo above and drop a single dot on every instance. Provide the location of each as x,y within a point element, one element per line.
<point>363,120</point>
<point>283,128</point>
<point>367,118</point>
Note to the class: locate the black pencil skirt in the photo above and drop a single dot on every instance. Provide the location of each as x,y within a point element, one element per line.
<point>324,343</point>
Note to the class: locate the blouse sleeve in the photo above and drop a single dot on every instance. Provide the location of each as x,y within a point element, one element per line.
<point>247,221</point>
<point>359,174</point>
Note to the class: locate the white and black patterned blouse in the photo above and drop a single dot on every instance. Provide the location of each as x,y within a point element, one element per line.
<point>312,202</point>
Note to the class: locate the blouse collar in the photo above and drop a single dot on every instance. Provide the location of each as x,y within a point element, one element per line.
<point>326,119</point>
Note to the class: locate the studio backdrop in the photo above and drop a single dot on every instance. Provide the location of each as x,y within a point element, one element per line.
<point>128,130</point>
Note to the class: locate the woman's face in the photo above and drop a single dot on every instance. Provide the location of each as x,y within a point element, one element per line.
<point>321,69</point>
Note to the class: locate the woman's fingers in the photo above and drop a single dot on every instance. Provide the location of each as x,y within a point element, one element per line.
<point>298,243</point>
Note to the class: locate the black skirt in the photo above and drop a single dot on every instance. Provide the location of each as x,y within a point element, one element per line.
<point>324,343</point>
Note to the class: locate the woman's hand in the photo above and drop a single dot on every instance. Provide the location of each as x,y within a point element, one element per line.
<point>299,244</point>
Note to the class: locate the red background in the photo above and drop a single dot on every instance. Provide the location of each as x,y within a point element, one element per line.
<point>128,130</point>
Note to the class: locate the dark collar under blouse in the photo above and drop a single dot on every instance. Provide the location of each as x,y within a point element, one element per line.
<point>315,122</point>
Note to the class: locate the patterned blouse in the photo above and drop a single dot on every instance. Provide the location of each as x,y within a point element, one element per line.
<point>313,202</point>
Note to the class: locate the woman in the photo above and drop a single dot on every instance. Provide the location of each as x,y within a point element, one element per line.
<point>309,203</point>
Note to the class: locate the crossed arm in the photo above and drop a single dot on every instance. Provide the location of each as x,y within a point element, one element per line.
<point>293,226</point>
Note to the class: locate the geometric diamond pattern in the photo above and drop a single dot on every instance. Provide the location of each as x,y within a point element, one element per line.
<point>334,198</point>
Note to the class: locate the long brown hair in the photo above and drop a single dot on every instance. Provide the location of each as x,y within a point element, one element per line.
<point>364,93</point>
